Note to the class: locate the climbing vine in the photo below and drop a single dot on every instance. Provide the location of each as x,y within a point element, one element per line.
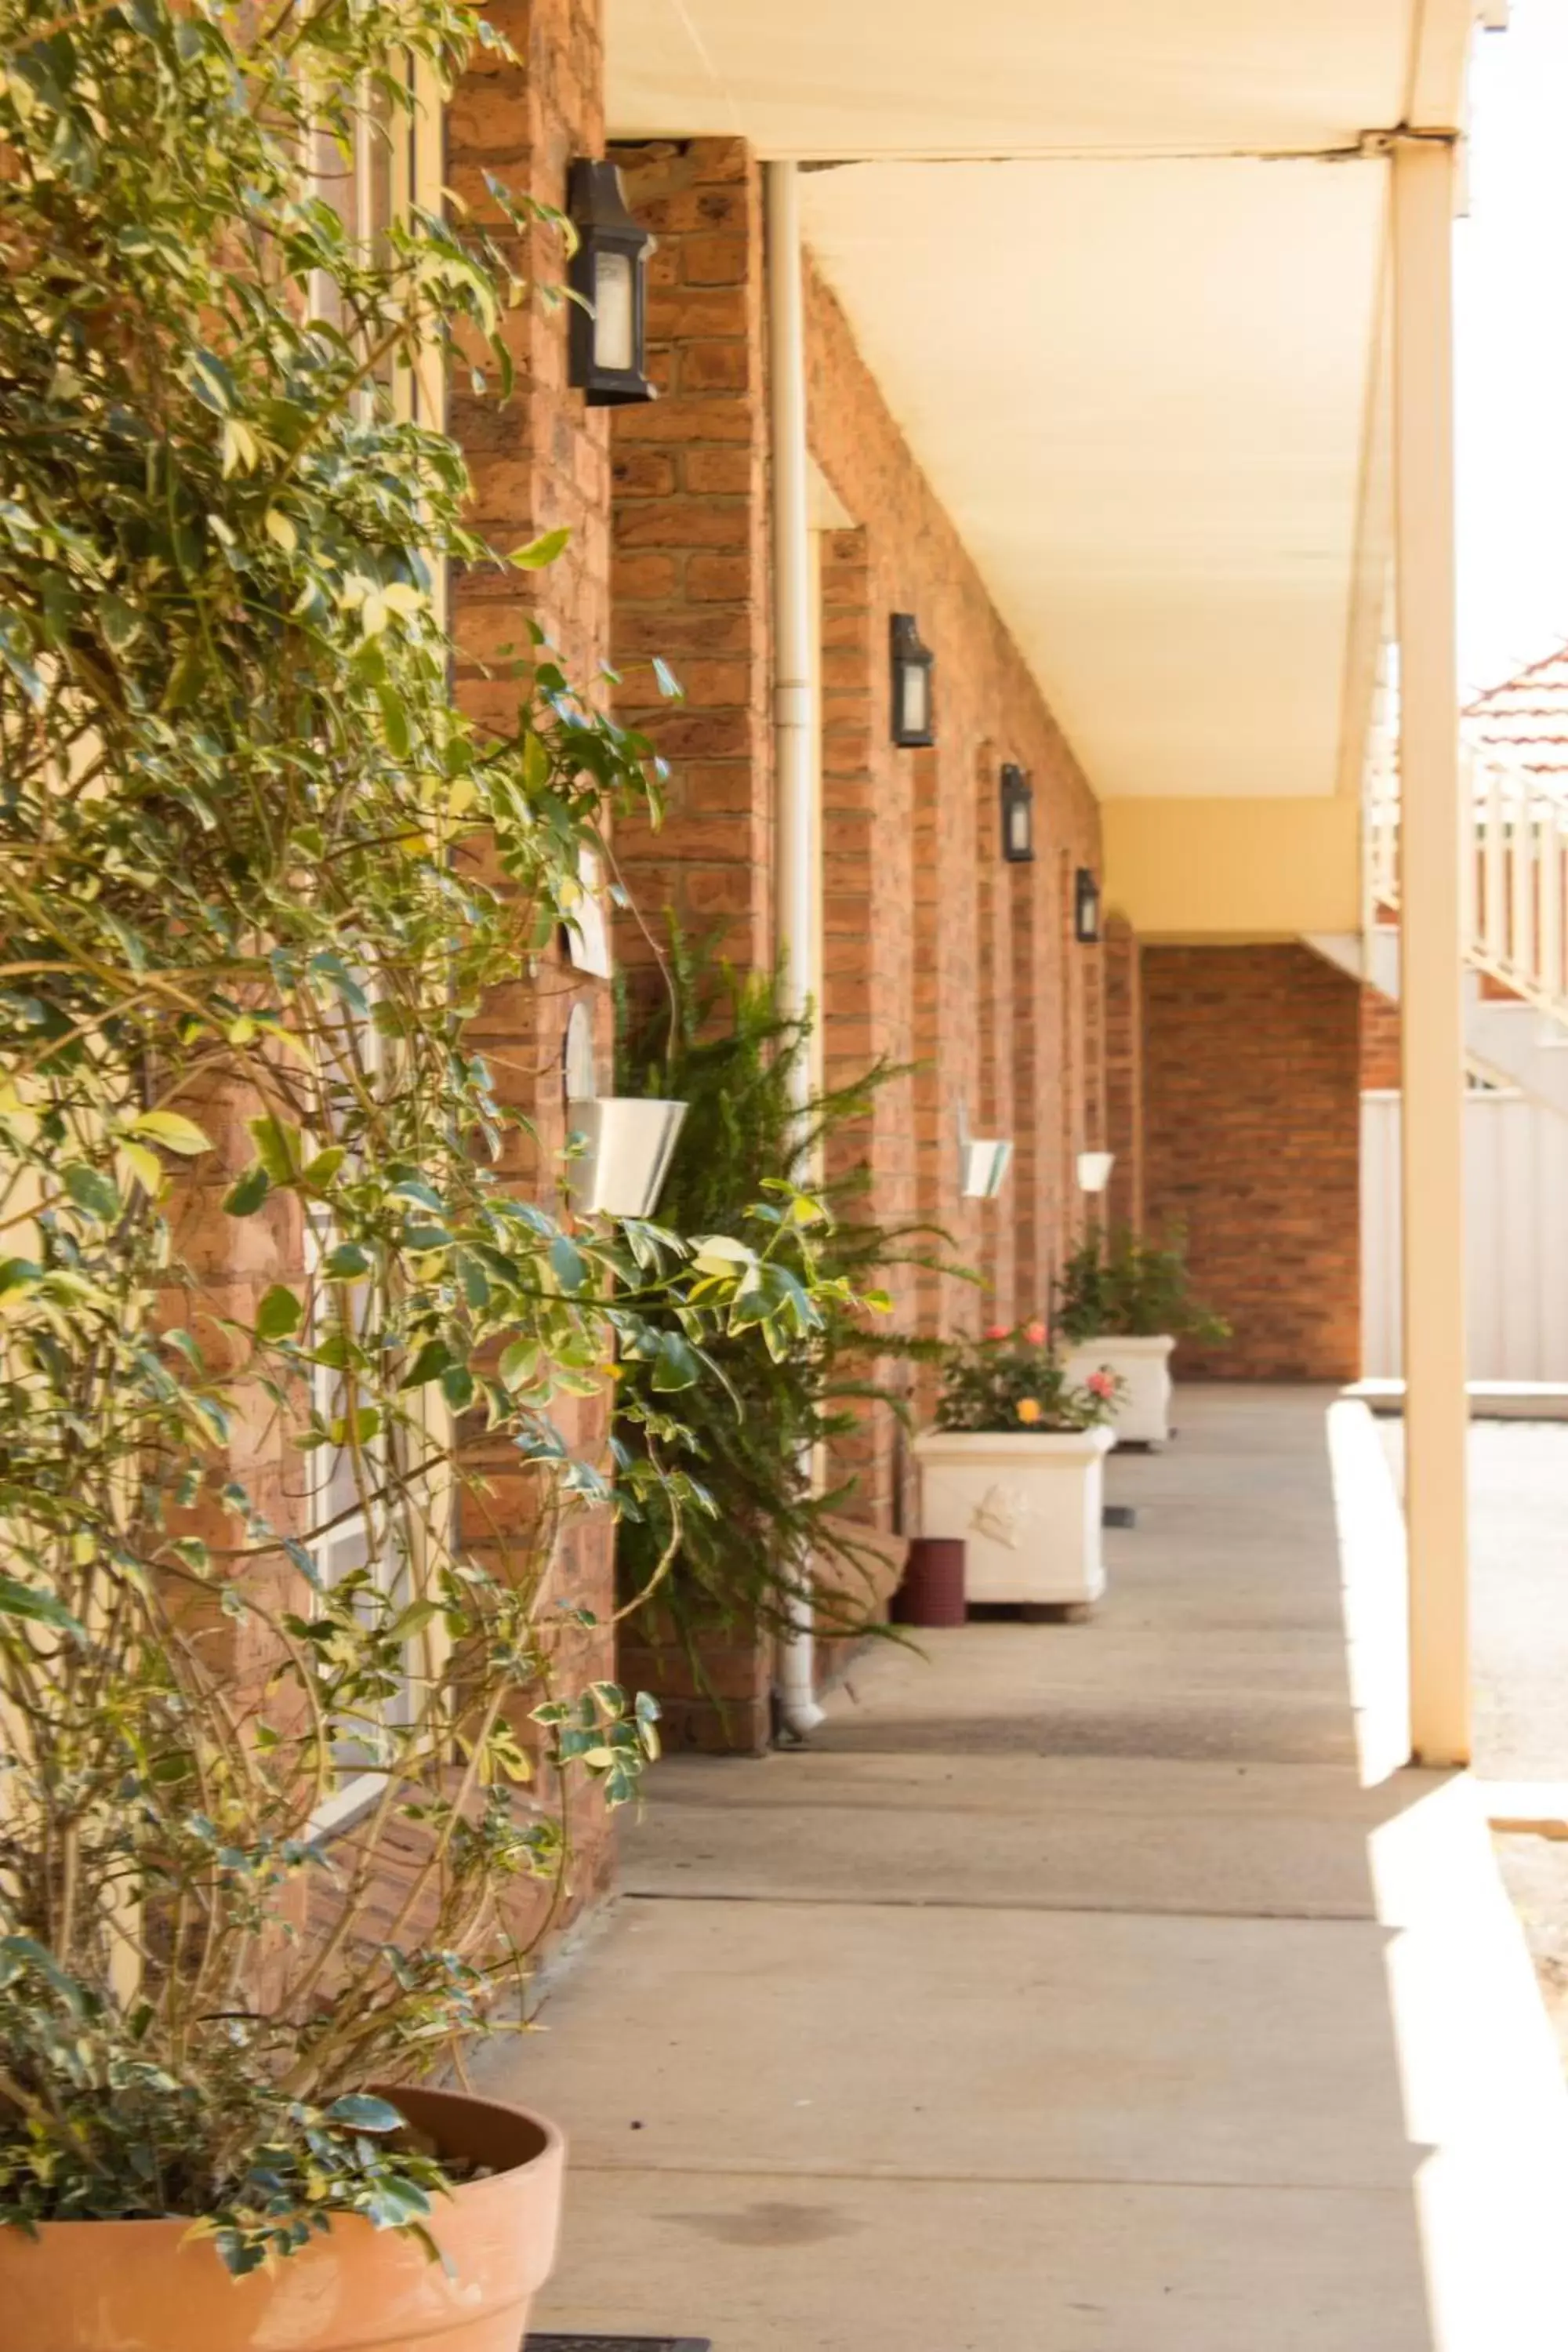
<point>273,1309</point>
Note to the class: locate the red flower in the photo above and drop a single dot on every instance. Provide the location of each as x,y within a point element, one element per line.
<point>1035,1333</point>
<point>998,1331</point>
<point>1102,1385</point>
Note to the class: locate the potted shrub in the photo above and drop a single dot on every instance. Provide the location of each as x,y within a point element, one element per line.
<point>293,1697</point>
<point>1016,1466</point>
<point>1123,1300</point>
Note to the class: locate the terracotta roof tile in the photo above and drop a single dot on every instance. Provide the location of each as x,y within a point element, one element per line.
<point>1526,715</point>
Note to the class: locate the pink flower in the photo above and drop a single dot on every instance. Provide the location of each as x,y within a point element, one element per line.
<point>1034,1333</point>
<point>1102,1385</point>
<point>996,1331</point>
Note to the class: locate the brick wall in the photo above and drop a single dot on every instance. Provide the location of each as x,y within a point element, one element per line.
<point>937,951</point>
<point>1252,1136</point>
<point>934,952</point>
<point>690,565</point>
<point>1124,1070</point>
<point>1379,1040</point>
<point>540,461</point>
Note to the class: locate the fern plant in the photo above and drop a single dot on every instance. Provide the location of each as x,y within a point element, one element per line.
<point>721,1041</point>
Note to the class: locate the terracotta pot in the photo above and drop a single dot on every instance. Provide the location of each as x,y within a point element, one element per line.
<point>134,2286</point>
<point>932,1593</point>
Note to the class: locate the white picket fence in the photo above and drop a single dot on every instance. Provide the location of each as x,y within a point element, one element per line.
<point>1517,1238</point>
<point>1514,883</point>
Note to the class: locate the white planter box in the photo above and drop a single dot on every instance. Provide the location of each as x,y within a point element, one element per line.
<point>1144,1416</point>
<point>629,1143</point>
<point>1028,1509</point>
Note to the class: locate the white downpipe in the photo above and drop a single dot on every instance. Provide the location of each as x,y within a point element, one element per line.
<point>797,849</point>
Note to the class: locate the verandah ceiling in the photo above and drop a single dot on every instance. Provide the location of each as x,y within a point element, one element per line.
<point>1137,361</point>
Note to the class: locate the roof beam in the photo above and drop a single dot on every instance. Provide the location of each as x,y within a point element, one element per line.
<point>1439,61</point>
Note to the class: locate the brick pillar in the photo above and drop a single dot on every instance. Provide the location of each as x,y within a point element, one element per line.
<point>1073,1131</point>
<point>689,576</point>
<point>690,582</point>
<point>991,1107</point>
<point>870,882</point>
<point>539,461</point>
<point>1125,1069</point>
<point>1379,1041</point>
<point>1029,1201</point>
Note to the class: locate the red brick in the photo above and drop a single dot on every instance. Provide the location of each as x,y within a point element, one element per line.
<point>682,420</point>
<point>681,314</point>
<point>682,523</point>
<point>1380,1041</point>
<point>719,473</point>
<point>714,367</point>
<point>642,474</point>
<point>646,578</point>
<point>720,579</point>
<point>1252,1138</point>
<point>715,259</point>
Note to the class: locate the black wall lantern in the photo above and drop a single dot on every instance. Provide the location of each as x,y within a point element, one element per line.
<point>609,272</point>
<point>913,719</point>
<point>1086,909</point>
<point>1017,816</point>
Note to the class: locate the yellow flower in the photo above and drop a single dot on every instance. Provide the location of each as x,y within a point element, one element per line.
<point>1029,1409</point>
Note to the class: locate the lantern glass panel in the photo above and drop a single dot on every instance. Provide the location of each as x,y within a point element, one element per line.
<point>914,697</point>
<point>1018,826</point>
<point>613,336</point>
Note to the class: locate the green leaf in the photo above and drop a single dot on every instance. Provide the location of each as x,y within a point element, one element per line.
<point>94,1194</point>
<point>19,1599</point>
<point>566,1260</point>
<point>247,1193</point>
<point>394,721</point>
<point>433,1359</point>
<point>347,1262</point>
<point>719,1254</point>
<point>365,1425</point>
<point>121,622</point>
<point>675,1365</point>
<point>278,1147</point>
<point>413,1620</point>
<point>280,1315</point>
<point>321,1169</point>
<point>541,551</point>
<point>360,2111</point>
<point>173,1133</point>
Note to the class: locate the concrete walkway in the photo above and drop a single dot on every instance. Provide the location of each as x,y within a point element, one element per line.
<point>1072,1994</point>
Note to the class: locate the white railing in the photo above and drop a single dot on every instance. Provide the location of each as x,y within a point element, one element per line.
<point>1515,880</point>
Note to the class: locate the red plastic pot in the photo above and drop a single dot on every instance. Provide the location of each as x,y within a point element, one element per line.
<point>932,1593</point>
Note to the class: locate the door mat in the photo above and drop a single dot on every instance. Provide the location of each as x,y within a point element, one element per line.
<point>617,2344</point>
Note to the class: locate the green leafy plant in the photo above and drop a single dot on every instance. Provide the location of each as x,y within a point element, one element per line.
<point>1120,1285</point>
<point>283,1345</point>
<point>720,1041</point>
<point>1010,1380</point>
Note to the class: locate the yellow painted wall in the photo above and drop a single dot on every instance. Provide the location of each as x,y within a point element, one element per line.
<point>1184,869</point>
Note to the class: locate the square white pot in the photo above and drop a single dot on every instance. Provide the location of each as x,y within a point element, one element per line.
<point>629,1144</point>
<point>1143,1415</point>
<point>1029,1509</point>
